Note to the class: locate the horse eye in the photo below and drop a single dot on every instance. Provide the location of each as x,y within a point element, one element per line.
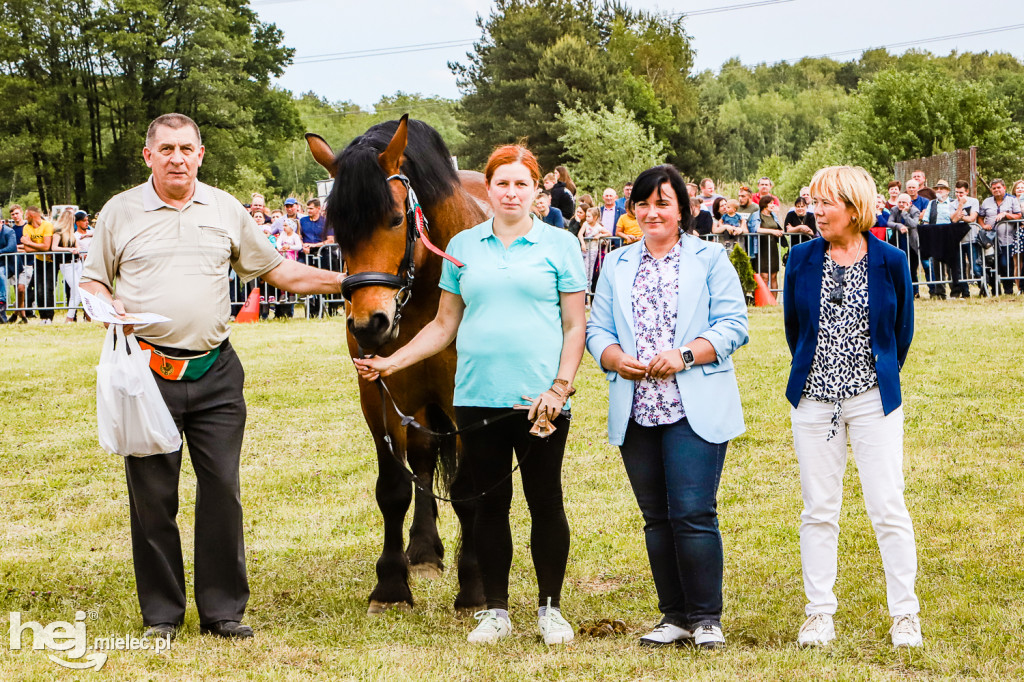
<point>397,220</point>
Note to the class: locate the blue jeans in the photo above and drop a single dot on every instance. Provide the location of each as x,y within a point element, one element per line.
<point>675,474</point>
<point>3,281</point>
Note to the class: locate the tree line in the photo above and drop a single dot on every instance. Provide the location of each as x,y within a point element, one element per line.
<point>597,86</point>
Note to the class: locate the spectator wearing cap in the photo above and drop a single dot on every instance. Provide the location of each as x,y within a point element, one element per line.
<point>996,210</point>
<point>939,212</point>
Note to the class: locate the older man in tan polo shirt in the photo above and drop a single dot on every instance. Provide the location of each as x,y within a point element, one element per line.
<point>165,247</point>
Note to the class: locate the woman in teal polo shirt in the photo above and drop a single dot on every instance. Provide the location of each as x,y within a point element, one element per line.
<point>517,307</point>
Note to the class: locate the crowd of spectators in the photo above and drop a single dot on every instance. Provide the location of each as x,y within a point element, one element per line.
<point>948,236</point>
<point>38,255</point>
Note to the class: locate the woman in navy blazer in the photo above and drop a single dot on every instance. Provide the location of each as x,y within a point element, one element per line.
<point>667,315</point>
<point>849,316</point>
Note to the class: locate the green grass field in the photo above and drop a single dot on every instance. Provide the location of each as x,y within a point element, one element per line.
<point>313,531</point>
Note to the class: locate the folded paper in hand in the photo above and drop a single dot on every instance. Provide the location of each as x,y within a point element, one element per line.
<point>101,311</point>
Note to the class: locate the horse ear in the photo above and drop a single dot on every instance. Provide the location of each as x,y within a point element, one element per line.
<point>391,158</point>
<point>322,152</point>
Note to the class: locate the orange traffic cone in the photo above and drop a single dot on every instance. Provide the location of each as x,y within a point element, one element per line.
<point>250,312</point>
<point>762,294</point>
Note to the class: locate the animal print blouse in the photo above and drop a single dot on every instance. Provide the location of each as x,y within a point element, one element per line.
<point>655,297</point>
<point>843,366</point>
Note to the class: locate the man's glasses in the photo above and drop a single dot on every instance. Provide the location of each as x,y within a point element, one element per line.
<point>839,276</point>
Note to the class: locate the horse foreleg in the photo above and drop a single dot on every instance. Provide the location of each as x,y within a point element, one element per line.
<point>425,551</point>
<point>471,587</point>
<point>394,492</point>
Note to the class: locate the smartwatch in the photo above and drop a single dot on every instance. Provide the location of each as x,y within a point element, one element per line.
<point>687,356</point>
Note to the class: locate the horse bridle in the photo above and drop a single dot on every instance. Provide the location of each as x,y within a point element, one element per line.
<point>416,229</point>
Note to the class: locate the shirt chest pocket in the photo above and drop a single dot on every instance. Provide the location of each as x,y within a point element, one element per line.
<point>214,250</point>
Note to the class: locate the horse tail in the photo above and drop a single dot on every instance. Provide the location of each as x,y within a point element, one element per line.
<point>447,461</point>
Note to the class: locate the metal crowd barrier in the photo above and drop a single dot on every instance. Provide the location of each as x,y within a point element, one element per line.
<point>47,285</point>
<point>41,283</point>
<point>327,257</point>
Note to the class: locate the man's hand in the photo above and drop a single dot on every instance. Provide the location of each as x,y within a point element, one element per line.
<point>119,309</point>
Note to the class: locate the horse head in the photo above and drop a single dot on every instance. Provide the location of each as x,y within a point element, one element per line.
<point>370,213</point>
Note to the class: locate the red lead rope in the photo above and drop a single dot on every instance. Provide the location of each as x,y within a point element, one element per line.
<point>427,243</point>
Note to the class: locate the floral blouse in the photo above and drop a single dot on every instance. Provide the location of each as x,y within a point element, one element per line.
<point>843,366</point>
<point>655,297</point>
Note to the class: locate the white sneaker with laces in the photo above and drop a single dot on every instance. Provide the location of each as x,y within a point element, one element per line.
<point>817,630</point>
<point>665,634</point>
<point>554,628</point>
<point>708,637</point>
<point>490,628</point>
<point>906,631</point>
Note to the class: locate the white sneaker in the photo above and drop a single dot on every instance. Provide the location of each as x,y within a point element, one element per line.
<point>490,629</point>
<point>709,637</point>
<point>554,628</point>
<point>665,634</point>
<point>906,631</point>
<point>817,630</point>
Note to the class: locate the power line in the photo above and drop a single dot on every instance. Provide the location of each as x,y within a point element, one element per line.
<point>728,8</point>
<point>922,41</point>
<point>444,45</point>
<point>380,51</point>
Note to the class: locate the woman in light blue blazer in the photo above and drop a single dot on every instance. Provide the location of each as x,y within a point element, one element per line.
<point>667,315</point>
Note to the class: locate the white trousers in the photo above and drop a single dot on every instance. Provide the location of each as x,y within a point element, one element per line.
<point>72,274</point>
<point>877,442</point>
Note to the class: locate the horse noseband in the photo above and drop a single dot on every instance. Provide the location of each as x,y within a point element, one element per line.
<point>403,281</point>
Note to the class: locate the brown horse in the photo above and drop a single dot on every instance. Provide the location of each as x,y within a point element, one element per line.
<point>392,293</point>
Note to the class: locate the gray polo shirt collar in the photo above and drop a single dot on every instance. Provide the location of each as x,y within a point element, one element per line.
<point>152,202</point>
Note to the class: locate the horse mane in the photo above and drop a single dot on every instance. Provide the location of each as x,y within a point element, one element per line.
<point>361,198</point>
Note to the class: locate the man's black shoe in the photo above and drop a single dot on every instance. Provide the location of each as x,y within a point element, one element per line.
<point>161,631</point>
<point>227,628</point>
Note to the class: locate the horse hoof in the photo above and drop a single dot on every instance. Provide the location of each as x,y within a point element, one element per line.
<point>425,571</point>
<point>378,607</point>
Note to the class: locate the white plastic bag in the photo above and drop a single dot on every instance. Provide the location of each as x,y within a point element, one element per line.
<point>131,415</point>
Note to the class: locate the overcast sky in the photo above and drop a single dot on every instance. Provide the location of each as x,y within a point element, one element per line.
<point>781,30</point>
